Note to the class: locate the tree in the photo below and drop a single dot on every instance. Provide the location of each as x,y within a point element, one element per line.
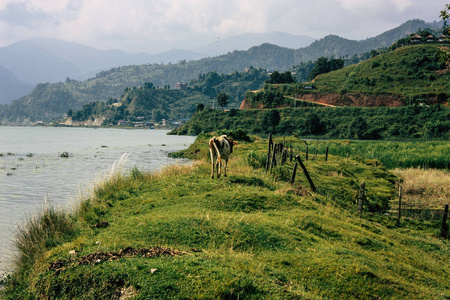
<point>313,124</point>
<point>270,120</point>
<point>357,128</point>
<point>200,107</point>
<point>279,78</point>
<point>222,99</point>
<point>322,65</point>
<point>445,14</point>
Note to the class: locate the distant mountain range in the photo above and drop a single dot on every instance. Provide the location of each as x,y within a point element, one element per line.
<point>26,63</point>
<point>248,40</point>
<point>12,88</point>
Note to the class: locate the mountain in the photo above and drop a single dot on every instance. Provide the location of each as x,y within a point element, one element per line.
<point>49,60</point>
<point>335,46</point>
<point>42,56</point>
<point>11,88</point>
<point>248,40</point>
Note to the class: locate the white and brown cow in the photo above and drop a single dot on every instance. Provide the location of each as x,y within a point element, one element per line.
<point>220,149</point>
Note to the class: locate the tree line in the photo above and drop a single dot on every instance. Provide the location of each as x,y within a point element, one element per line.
<point>407,122</point>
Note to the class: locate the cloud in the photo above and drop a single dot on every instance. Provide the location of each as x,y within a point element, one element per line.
<point>158,25</point>
<point>19,14</point>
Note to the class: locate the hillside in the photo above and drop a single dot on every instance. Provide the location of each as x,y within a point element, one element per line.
<point>401,93</point>
<point>167,102</point>
<point>50,101</point>
<point>406,75</point>
<point>417,73</point>
<point>178,234</point>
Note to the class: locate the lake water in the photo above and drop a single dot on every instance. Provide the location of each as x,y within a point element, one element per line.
<point>32,170</point>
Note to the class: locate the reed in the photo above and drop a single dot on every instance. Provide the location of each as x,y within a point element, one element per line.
<point>45,229</point>
<point>429,188</point>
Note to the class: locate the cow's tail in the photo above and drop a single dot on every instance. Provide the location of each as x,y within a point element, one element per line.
<point>214,142</point>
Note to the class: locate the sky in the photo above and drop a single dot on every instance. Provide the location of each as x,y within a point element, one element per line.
<point>155,26</point>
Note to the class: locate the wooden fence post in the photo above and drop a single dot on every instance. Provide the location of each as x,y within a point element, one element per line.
<point>311,184</point>
<point>444,229</point>
<point>326,155</point>
<point>274,157</point>
<point>290,152</point>
<point>399,204</point>
<point>293,173</point>
<point>306,154</point>
<point>269,152</point>
<point>283,157</point>
<point>361,197</point>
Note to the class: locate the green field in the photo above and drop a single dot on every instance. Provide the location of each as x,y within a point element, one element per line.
<point>178,234</point>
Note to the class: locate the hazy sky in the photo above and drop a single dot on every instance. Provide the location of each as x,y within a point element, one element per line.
<point>155,25</point>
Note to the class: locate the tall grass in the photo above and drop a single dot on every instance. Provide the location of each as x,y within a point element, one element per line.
<point>424,189</point>
<point>45,229</point>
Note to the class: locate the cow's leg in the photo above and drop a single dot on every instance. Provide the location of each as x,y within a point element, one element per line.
<point>219,166</point>
<point>212,163</point>
<point>225,168</point>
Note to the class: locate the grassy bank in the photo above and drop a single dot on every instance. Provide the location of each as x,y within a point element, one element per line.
<point>177,234</point>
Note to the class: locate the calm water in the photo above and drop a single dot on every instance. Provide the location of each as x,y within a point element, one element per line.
<point>32,171</point>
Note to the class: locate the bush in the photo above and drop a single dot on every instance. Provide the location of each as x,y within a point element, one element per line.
<point>257,160</point>
<point>237,135</point>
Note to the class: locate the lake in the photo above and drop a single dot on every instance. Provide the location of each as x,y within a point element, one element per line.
<point>33,171</point>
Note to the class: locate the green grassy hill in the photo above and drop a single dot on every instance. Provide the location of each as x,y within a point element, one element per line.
<point>178,234</point>
<point>408,71</point>
<point>410,74</point>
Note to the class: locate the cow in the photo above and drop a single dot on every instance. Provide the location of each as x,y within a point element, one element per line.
<point>220,149</point>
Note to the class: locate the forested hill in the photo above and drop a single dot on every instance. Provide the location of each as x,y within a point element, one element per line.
<point>148,103</point>
<point>50,101</point>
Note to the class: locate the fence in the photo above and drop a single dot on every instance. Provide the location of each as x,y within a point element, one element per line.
<point>281,152</point>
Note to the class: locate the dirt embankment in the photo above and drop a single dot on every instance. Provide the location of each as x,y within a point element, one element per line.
<point>350,99</point>
<point>96,122</point>
<point>354,99</point>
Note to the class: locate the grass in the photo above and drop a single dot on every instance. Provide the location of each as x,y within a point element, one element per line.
<point>428,188</point>
<point>391,154</point>
<point>251,235</point>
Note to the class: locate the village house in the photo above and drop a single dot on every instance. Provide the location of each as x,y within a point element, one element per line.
<point>415,38</point>
<point>430,38</point>
<point>181,86</point>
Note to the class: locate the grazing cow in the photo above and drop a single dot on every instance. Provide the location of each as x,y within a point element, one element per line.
<point>220,148</point>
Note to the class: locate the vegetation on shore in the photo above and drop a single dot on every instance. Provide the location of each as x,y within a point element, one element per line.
<point>409,122</point>
<point>178,234</point>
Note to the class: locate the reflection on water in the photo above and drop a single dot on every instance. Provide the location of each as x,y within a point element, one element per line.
<point>32,169</point>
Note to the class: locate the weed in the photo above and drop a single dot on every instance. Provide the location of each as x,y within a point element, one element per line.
<point>65,154</point>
